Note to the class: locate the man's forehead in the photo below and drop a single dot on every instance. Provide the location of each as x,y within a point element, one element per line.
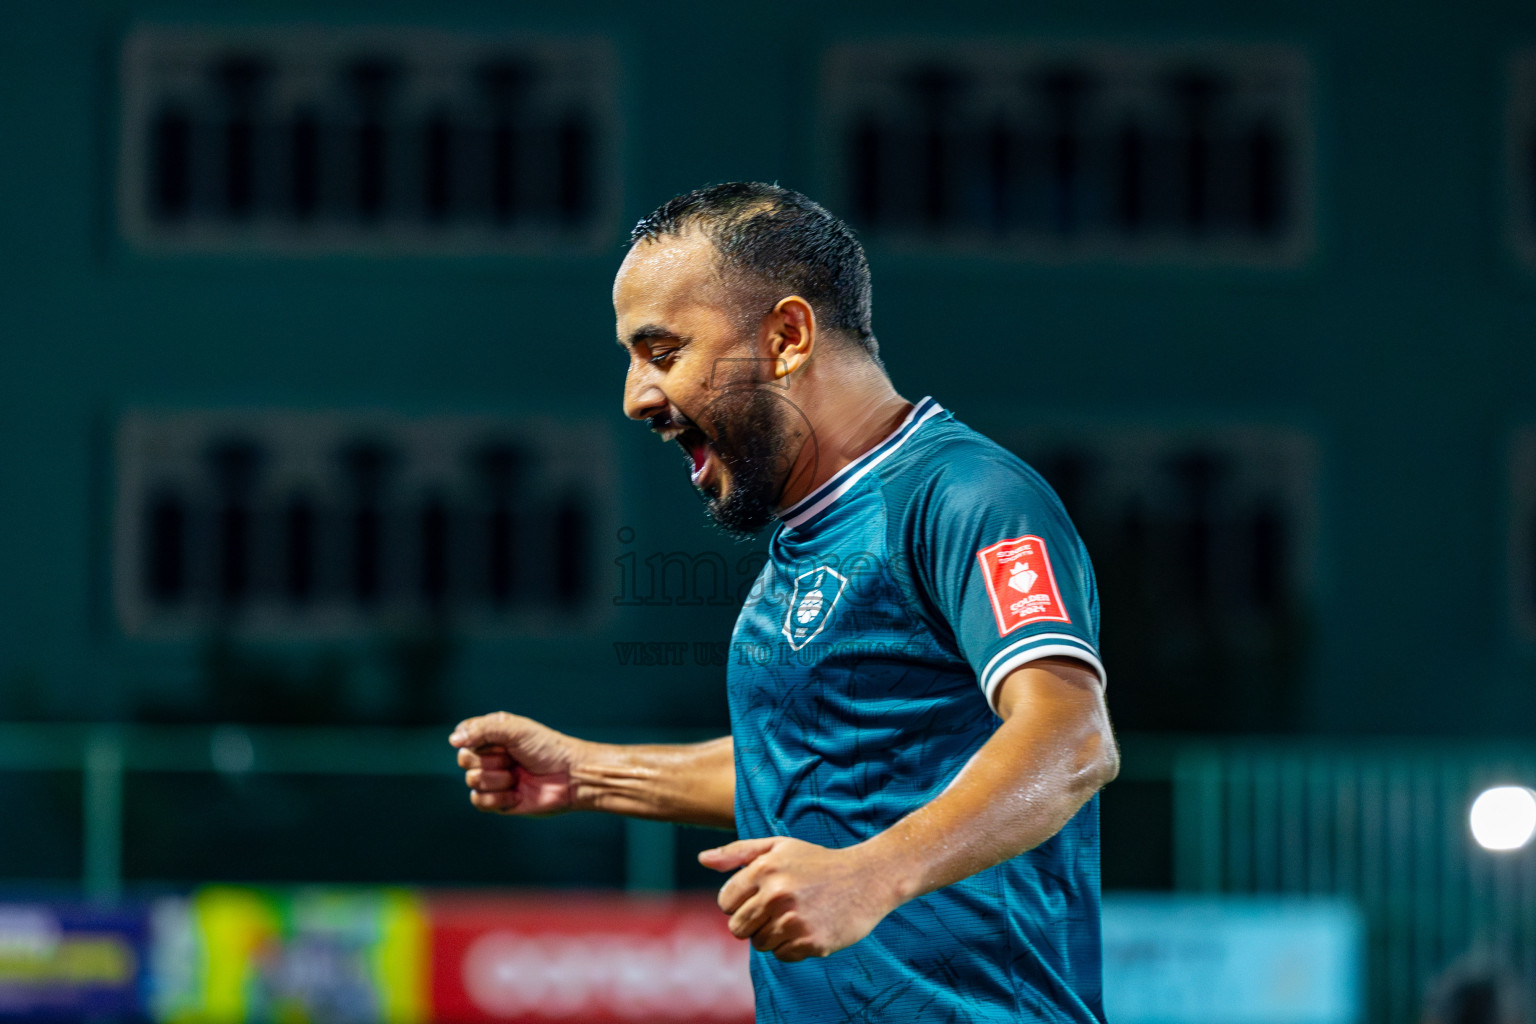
<point>671,256</point>
<point>665,274</point>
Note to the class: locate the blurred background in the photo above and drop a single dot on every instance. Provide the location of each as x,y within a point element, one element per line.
<point>311,439</point>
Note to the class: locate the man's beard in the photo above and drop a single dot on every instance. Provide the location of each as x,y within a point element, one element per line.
<point>754,450</point>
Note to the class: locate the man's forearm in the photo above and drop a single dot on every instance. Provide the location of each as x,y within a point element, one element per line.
<point>691,784</point>
<point>1014,794</point>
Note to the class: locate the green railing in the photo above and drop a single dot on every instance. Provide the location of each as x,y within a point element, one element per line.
<point>1380,823</point>
<point>104,754</point>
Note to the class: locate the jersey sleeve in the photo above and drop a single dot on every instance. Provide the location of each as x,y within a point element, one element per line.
<point>1002,565</point>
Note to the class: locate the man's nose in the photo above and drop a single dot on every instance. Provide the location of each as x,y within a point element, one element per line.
<point>642,398</point>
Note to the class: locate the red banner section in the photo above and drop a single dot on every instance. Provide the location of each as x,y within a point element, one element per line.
<point>595,959</point>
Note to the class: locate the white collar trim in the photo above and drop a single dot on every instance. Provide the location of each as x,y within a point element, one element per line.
<point>839,483</point>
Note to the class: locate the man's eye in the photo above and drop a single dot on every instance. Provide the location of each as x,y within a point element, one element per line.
<point>659,358</point>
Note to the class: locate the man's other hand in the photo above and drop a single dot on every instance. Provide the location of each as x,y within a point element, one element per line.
<point>796,899</point>
<point>514,765</point>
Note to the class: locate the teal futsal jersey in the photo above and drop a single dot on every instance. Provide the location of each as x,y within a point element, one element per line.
<point>896,598</point>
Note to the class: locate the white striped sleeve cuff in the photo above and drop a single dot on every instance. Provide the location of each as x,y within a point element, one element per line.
<point>1033,648</point>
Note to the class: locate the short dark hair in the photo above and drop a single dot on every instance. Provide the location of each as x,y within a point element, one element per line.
<point>781,239</point>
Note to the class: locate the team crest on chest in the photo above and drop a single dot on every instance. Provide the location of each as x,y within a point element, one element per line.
<point>810,605</point>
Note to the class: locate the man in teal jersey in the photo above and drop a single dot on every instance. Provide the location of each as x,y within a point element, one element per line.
<point>918,729</point>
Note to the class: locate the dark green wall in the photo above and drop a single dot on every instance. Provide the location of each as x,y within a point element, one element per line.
<point>1402,343</point>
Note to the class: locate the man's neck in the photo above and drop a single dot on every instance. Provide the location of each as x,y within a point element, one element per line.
<point>844,424</point>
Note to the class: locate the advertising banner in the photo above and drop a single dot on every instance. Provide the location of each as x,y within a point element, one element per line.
<point>1232,960</point>
<point>232,954</point>
<point>72,961</point>
<point>594,959</point>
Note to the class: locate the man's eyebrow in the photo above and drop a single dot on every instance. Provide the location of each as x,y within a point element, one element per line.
<point>651,332</point>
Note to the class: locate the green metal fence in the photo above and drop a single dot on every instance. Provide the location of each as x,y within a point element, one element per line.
<point>105,754</point>
<point>1381,824</point>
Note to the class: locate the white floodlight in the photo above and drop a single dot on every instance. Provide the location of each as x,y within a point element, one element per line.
<point>1504,817</point>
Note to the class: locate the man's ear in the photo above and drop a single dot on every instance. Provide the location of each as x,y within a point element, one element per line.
<point>791,335</point>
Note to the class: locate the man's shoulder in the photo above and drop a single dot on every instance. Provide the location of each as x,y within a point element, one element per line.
<point>954,466</point>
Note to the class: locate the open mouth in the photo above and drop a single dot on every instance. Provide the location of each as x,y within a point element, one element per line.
<point>700,455</point>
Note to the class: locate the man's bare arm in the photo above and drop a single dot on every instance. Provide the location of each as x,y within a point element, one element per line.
<point>514,765</point>
<point>692,784</point>
<point>1053,751</point>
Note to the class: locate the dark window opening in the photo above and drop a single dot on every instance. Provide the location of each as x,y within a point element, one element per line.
<point>434,553</point>
<point>1195,554</point>
<point>865,161</point>
<point>1267,556</point>
<point>499,467</point>
<point>1131,205</point>
<point>373,81</point>
<point>504,85</point>
<point>304,165</point>
<point>501,568</point>
<point>1198,477</point>
<point>575,190</point>
<point>352,525</point>
<point>171,199</point>
<point>366,465</point>
<point>299,575</point>
<point>437,176</point>
<point>165,570</point>
<point>1075,152</point>
<point>240,80</point>
<point>571,561</point>
<point>235,465</point>
<point>1266,180</point>
<point>261,142</point>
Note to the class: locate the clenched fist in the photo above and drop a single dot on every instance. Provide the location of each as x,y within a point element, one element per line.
<point>796,899</point>
<point>514,765</point>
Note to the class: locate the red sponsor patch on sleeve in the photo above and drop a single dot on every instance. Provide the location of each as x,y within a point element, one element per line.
<point>1020,583</point>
